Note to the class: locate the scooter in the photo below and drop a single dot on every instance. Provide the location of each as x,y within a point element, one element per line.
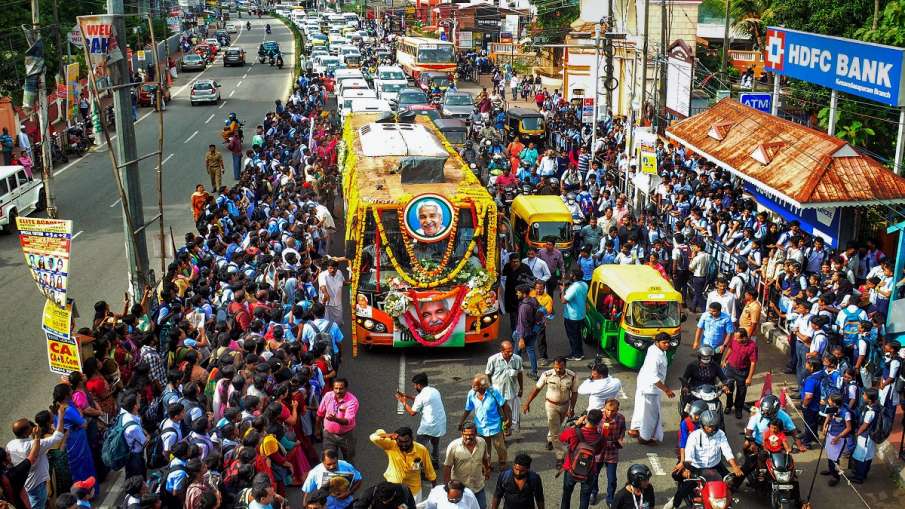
<point>710,394</point>
<point>710,494</point>
<point>279,62</point>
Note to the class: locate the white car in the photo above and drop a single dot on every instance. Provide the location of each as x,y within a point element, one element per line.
<point>232,29</point>
<point>388,90</point>
<point>20,195</point>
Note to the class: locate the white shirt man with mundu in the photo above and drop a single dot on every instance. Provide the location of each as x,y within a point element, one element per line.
<point>646,425</point>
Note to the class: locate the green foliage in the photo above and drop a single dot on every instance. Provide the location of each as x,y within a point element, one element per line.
<point>747,16</point>
<point>554,24</point>
<point>711,10</point>
<point>856,133</point>
<point>890,27</point>
<point>820,16</point>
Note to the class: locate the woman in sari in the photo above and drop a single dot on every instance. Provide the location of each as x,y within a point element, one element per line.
<point>81,464</point>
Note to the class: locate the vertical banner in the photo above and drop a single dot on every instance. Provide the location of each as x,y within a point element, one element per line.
<point>647,152</point>
<point>62,348</point>
<point>102,42</point>
<point>46,244</point>
<point>72,90</point>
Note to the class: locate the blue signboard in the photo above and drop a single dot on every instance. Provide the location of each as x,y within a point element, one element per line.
<point>824,223</point>
<point>759,101</point>
<point>871,71</point>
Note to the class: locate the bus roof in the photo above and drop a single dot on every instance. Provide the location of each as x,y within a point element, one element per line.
<point>425,40</point>
<point>636,283</point>
<point>541,208</point>
<point>374,177</point>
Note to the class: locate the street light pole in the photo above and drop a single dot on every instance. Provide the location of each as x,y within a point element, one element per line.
<point>46,157</point>
<point>725,58</point>
<point>596,72</point>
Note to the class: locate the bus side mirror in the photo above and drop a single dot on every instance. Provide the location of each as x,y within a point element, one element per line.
<point>682,318</point>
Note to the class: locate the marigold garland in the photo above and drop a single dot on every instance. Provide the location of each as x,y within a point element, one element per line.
<point>408,241</point>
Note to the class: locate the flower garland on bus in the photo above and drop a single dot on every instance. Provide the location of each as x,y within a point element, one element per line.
<point>421,268</point>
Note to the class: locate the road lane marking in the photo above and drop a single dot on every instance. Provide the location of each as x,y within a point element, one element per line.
<point>208,121</point>
<point>102,144</point>
<point>116,202</point>
<point>245,75</point>
<point>167,158</point>
<point>400,408</point>
<point>427,361</point>
<point>221,105</point>
<point>77,234</point>
<point>231,92</point>
<point>655,466</point>
<point>190,137</point>
<point>239,84</point>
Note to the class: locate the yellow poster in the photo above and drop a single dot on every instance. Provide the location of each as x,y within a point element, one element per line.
<point>56,320</point>
<point>46,245</point>
<point>648,158</point>
<point>72,90</point>
<point>62,348</point>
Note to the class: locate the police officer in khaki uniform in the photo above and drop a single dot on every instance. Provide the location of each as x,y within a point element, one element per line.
<point>559,401</point>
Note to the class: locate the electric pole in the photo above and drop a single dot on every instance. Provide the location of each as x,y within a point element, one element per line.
<point>126,156</point>
<point>644,60</point>
<point>664,61</point>
<point>46,162</point>
<point>596,108</point>
<point>608,56</point>
<point>725,58</point>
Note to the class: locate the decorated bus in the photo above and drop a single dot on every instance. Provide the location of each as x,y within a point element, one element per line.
<point>417,54</point>
<point>421,237</point>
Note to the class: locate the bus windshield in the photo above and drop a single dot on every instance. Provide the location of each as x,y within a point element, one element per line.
<point>425,253</point>
<point>652,314</point>
<point>541,231</point>
<point>436,54</point>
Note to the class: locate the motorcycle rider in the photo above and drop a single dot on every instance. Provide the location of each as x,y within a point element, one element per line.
<point>703,371</point>
<point>686,426</point>
<point>248,25</point>
<point>489,133</point>
<point>231,126</point>
<point>267,28</point>
<point>279,59</point>
<point>754,433</point>
<point>529,154</point>
<point>468,153</point>
<point>702,456</point>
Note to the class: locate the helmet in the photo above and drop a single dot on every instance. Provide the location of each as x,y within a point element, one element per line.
<point>697,407</point>
<point>554,181</point>
<point>232,116</point>
<point>705,353</point>
<point>637,474</point>
<point>709,419</point>
<point>769,405</point>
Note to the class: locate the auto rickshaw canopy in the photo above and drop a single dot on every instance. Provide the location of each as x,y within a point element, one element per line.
<point>633,283</point>
<point>540,208</point>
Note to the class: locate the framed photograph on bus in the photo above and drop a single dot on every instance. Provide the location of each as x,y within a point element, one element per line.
<point>429,217</point>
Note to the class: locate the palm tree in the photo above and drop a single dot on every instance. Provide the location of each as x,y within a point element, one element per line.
<point>747,17</point>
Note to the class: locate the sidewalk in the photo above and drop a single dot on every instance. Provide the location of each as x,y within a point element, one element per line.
<point>888,452</point>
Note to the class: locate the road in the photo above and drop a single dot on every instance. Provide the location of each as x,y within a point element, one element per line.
<point>87,195</point>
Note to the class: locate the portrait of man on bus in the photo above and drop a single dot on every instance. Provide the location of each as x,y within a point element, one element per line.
<point>428,218</point>
<point>434,313</point>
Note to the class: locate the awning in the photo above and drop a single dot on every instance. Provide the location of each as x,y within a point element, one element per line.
<point>801,166</point>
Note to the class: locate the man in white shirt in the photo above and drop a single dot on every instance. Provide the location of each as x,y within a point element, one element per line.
<point>134,434</point>
<point>646,425</point>
<point>726,298</point>
<point>538,267</point>
<point>20,448</point>
<point>428,402</point>
<point>600,387</point>
<point>506,375</point>
<point>452,495</point>
<point>330,283</point>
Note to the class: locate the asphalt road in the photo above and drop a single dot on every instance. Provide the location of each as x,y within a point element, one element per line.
<point>86,194</point>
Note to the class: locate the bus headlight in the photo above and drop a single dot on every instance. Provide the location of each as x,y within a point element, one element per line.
<point>368,324</point>
<point>488,319</point>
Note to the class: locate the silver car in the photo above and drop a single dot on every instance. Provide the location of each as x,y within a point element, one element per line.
<point>457,105</point>
<point>205,91</point>
<point>192,62</point>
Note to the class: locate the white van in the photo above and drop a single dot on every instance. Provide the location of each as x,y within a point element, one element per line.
<point>353,84</point>
<point>19,195</point>
<point>345,100</point>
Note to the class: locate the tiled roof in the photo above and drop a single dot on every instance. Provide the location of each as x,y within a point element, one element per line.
<point>800,165</point>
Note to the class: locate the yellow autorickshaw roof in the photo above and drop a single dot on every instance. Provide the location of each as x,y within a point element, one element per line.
<point>541,208</point>
<point>636,283</point>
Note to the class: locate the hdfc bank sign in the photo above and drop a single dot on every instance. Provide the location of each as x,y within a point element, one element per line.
<point>872,71</point>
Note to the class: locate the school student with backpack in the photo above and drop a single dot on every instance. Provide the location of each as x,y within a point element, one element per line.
<point>865,446</point>
<point>584,442</point>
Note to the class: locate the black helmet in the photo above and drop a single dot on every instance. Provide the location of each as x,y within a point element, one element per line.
<point>705,352</point>
<point>709,419</point>
<point>638,474</point>
<point>769,405</point>
<point>697,407</point>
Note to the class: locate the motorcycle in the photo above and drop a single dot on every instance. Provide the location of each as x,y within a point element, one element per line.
<point>279,62</point>
<point>710,394</point>
<point>776,474</point>
<point>710,494</point>
<point>78,140</point>
<point>248,25</point>
<point>267,29</point>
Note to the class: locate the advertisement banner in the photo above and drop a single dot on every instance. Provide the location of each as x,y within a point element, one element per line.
<point>102,42</point>
<point>587,110</point>
<point>62,348</point>
<point>871,71</point>
<point>72,90</point>
<point>46,244</point>
<point>647,152</point>
<point>75,37</point>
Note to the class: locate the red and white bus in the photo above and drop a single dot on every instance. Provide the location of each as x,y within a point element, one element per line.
<point>417,54</point>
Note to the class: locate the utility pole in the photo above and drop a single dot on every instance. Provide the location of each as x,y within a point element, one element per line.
<point>644,60</point>
<point>608,55</point>
<point>725,59</point>
<point>61,71</point>
<point>46,162</point>
<point>596,88</point>
<point>126,156</point>
<point>664,60</point>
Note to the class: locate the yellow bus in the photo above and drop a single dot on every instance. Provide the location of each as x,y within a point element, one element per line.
<point>417,54</point>
<point>421,237</point>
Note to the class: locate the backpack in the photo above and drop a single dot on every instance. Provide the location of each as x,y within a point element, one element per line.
<point>873,360</point>
<point>155,455</point>
<point>323,337</point>
<point>850,326</point>
<point>539,319</point>
<point>115,450</point>
<point>881,427</point>
<point>153,414</point>
<point>583,458</point>
<point>171,499</point>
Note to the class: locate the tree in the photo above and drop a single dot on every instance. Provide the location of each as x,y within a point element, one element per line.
<point>856,133</point>
<point>820,16</point>
<point>890,28</point>
<point>553,21</point>
<point>747,17</point>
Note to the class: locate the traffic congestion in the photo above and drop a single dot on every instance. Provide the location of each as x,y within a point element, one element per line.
<point>413,208</point>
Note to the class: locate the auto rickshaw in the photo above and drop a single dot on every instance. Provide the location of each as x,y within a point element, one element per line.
<point>524,123</point>
<point>266,50</point>
<point>454,129</point>
<point>535,219</point>
<point>627,306</point>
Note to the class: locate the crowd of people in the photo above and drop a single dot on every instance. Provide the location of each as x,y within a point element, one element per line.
<point>222,385</point>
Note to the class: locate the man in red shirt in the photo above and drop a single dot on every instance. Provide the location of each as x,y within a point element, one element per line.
<point>739,363</point>
<point>588,426</point>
